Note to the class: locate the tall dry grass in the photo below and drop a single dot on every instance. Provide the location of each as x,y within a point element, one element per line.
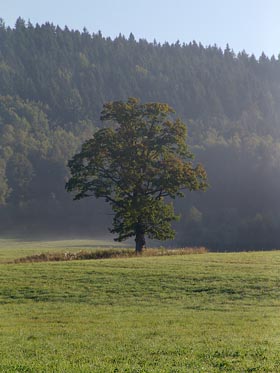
<point>107,254</point>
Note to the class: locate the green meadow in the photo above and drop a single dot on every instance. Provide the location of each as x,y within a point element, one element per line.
<point>189,313</point>
<point>11,249</point>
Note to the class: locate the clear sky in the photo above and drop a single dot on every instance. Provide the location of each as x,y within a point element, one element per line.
<point>253,25</point>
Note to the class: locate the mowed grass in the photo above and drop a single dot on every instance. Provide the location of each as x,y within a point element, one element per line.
<point>191,313</point>
<point>11,249</point>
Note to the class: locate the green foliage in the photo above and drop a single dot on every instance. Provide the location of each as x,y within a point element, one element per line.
<point>135,166</point>
<point>31,153</point>
<point>4,188</point>
<point>53,83</point>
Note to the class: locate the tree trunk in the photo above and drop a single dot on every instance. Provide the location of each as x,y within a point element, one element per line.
<point>139,242</point>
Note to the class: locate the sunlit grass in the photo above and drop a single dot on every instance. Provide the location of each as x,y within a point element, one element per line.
<point>195,313</point>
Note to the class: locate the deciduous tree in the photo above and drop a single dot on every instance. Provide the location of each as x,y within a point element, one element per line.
<point>135,165</point>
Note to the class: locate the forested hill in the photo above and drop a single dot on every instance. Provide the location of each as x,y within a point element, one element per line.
<point>53,83</point>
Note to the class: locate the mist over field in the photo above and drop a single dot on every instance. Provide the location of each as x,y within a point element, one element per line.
<point>175,126</point>
<point>53,83</point>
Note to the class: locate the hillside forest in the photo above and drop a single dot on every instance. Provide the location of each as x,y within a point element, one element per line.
<point>53,84</point>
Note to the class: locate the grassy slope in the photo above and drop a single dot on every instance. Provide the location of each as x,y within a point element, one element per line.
<point>196,313</point>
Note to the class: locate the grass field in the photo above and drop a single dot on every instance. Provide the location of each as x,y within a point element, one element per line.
<point>15,248</point>
<point>192,313</point>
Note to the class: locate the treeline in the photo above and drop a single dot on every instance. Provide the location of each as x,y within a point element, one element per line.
<point>53,83</point>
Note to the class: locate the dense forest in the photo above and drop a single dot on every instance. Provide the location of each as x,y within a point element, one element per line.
<point>53,84</point>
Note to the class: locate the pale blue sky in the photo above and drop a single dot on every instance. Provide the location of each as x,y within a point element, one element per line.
<point>253,25</point>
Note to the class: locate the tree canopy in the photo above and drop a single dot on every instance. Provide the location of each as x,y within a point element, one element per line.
<point>53,84</point>
<point>135,165</point>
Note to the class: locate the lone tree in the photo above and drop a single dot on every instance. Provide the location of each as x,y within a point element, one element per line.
<point>135,165</point>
